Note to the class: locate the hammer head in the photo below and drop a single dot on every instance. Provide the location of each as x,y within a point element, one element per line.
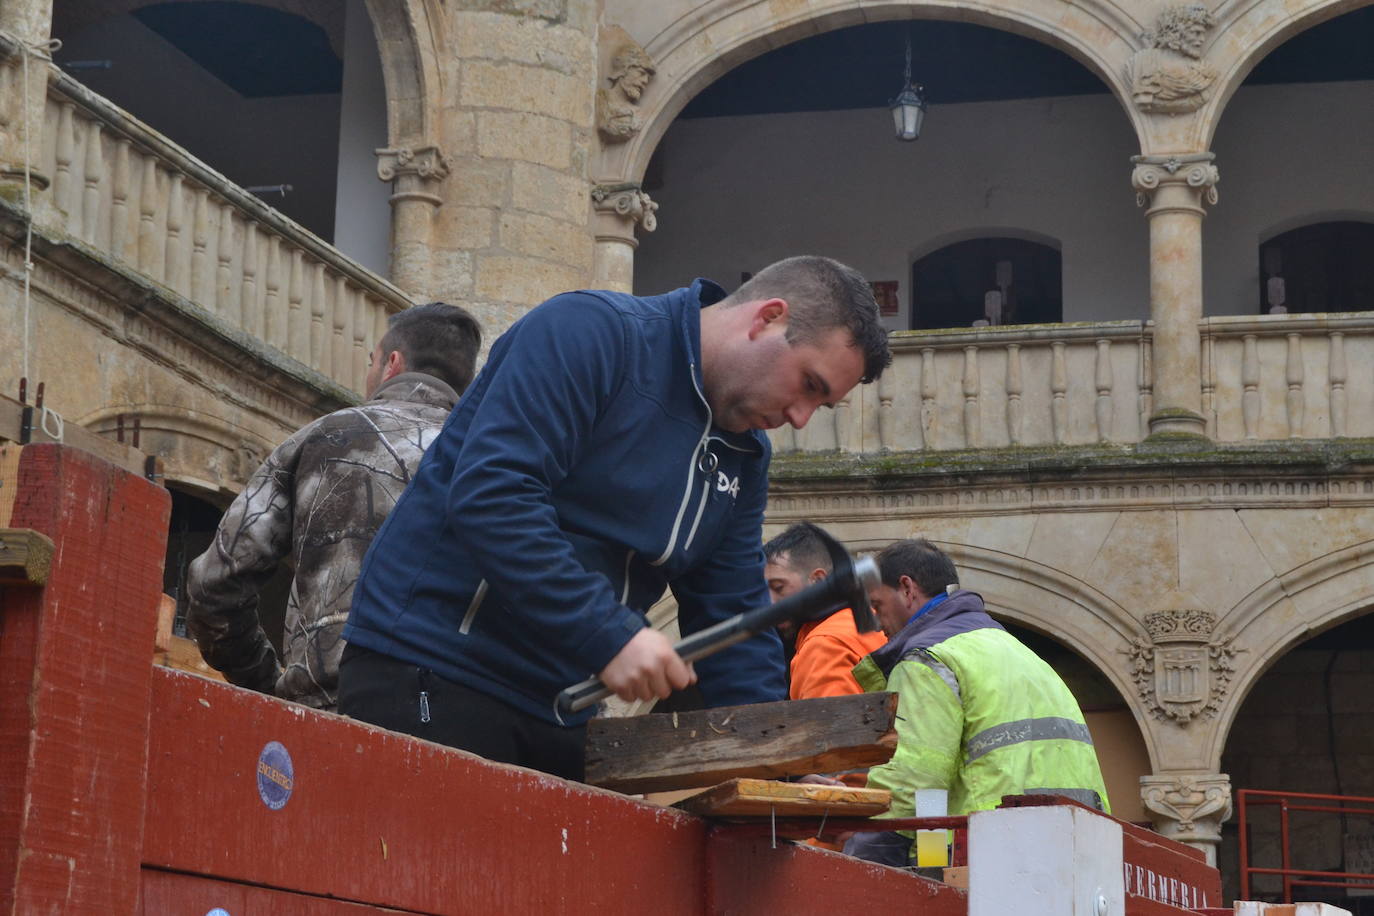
<point>858,576</point>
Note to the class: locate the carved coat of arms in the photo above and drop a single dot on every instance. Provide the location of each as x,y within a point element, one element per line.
<point>1181,672</point>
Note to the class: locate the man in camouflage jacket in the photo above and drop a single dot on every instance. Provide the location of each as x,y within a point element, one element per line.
<point>319,498</point>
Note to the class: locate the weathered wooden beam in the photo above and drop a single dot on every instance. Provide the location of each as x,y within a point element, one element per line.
<point>766,797</point>
<point>764,740</point>
<point>25,557</point>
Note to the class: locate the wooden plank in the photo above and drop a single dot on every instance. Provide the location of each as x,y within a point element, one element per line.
<point>184,655</point>
<point>765,797</point>
<point>25,557</point>
<point>765,740</point>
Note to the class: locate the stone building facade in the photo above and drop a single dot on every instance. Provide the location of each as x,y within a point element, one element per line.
<point>1181,498</point>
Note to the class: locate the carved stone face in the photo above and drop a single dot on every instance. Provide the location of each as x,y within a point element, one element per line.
<point>1194,34</point>
<point>634,81</point>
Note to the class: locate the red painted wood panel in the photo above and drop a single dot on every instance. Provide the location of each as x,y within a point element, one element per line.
<point>75,683</point>
<point>747,876</point>
<point>167,893</point>
<point>385,819</point>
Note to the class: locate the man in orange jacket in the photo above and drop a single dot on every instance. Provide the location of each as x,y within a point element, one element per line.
<point>825,650</point>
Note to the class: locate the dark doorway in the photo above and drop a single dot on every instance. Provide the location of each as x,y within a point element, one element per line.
<point>950,286</point>
<point>1324,267</point>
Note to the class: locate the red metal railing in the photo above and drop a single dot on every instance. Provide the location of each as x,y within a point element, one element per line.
<point>1288,803</point>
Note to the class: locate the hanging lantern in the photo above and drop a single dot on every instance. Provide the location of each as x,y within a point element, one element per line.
<point>909,107</point>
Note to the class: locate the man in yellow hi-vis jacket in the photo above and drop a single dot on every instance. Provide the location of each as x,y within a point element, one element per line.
<point>979,715</point>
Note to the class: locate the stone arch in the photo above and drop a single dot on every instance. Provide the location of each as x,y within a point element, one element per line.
<point>1290,223</point>
<point>1247,32</point>
<point>692,51</point>
<point>408,40</point>
<point>1285,611</point>
<point>945,239</point>
<point>191,443</point>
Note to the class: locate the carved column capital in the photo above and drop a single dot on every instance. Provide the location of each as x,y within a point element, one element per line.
<point>1192,173</point>
<point>1189,808</point>
<point>414,171</point>
<point>1182,671</point>
<point>627,205</point>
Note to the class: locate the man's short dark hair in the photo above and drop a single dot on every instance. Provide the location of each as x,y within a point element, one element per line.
<point>922,561</point>
<point>438,339</point>
<point>804,546</point>
<point>821,294</point>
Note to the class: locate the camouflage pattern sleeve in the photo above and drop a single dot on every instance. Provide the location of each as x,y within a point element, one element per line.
<point>254,535</point>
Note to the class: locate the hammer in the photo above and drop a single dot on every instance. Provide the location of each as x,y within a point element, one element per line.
<point>846,586</point>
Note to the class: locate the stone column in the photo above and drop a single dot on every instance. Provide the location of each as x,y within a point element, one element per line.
<point>415,174</point>
<point>1189,807</point>
<point>26,26</point>
<point>619,208</point>
<point>1173,189</point>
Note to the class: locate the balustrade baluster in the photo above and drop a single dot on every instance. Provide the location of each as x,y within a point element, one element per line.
<point>226,303</point>
<point>885,431</point>
<point>1145,379</point>
<point>249,311</point>
<point>1059,385</point>
<point>1294,375</point>
<point>297,329</point>
<point>360,342</point>
<point>971,380</point>
<point>200,257</point>
<point>1209,384</point>
<point>930,414</point>
<point>319,304</point>
<point>119,201</point>
<point>842,418</point>
<point>274,314</point>
<point>1337,374</point>
<point>7,96</point>
<point>150,244</point>
<point>66,153</point>
<point>93,173</point>
<point>341,365</point>
<point>1249,380</point>
<point>1014,389</point>
<point>1102,378</point>
<point>175,259</point>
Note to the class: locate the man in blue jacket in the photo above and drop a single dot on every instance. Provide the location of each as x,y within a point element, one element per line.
<point>612,445</point>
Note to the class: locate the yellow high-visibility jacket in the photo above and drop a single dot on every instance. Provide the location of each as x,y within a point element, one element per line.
<point>979,715</point>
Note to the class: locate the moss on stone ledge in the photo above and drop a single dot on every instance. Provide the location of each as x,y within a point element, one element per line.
<point>1163,454</point>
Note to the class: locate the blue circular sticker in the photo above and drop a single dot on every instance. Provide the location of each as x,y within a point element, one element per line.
<point>218,911</point>
<point>275,776</point>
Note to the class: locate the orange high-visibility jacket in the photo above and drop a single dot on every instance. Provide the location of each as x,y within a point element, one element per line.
<point>827,651</point>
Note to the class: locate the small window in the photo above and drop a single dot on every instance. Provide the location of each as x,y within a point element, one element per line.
<point>950,287</point>
<point>1324,267</point>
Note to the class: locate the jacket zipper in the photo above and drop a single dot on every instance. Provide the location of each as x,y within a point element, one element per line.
<point>691,474</point>
<point>477,598</point>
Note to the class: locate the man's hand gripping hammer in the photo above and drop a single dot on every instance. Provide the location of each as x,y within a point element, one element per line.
<point>846,587</point>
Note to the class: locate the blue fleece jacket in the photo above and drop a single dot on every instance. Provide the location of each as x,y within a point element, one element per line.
<point>578,476</point>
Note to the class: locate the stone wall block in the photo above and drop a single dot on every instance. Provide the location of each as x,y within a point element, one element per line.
<point>492,36</point>
<point>543,190</point>
<point>547,238</point>
<point>534,89</point>
<point>453,282</point>
<point>467,227</point>
<point>527,137</point>
<point>479,183</point>
<point>522,280</point>
<point>545,9</point>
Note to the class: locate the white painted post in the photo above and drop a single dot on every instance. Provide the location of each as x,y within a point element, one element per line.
<point>1045,861</point>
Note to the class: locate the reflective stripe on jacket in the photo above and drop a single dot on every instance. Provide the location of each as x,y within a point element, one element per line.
<point>979,715</point>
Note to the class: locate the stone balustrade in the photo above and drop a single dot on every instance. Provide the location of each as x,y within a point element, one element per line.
<point>132,196</point>
<point>995,388</point>
<point>1288,376</point>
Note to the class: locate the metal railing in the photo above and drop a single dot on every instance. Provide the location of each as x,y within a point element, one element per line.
<point>1288,803</point>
